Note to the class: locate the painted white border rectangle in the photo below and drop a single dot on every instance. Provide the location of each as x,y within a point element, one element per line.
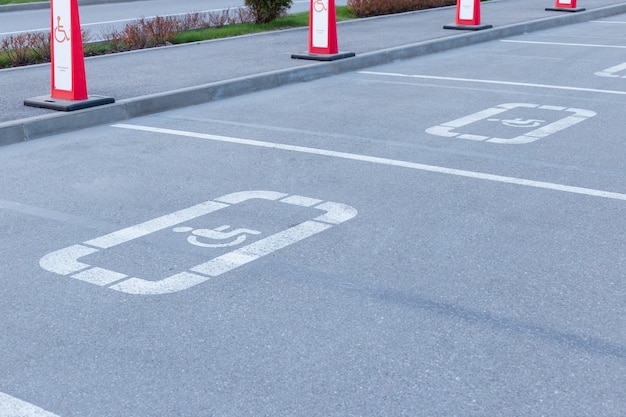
<point>65,261</point>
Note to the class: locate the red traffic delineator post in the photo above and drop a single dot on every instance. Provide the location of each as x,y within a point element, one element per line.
<point>565,6</point>
<point>68,78</point>
<point>468,16</point>
<point>323,33</point>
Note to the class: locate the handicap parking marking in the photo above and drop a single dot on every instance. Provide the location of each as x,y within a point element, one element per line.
<point>542,130</point>
<point>612,72</point>
<point>66,261</point>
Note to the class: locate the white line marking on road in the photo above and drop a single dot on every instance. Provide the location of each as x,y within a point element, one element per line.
<point>65,262</point>
<point>565,44</point>
<point>99,276</point>
<point>301,201</point>
<point>151,226</point>
<point>609,22</point>
<point>23,31</point>
<point>12,407</point>
<point>476,80</point>
<point>611,72</point>
<point>382,161</point>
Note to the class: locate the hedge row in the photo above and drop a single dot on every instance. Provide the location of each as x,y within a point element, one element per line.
<point>367,8</point>
<point>32,48</point>
<point>158,31</point>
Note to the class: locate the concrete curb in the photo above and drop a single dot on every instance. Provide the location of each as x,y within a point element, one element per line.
<point>36,127</point>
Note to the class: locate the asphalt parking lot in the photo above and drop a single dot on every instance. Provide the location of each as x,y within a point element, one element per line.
<point>437,236</point>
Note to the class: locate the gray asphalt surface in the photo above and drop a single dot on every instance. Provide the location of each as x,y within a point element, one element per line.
<point>209,70</point>
<point>473,263</point>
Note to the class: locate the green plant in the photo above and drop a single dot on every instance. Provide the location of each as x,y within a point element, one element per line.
<point>266,11</point>
<point>159,31</point>
<point>245,27</point>
<point>40,46</point>
<point>26,48</point>
<point>17,49</point>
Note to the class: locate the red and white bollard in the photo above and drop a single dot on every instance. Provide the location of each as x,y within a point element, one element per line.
<point>68,78</point>
<point>467,16</point>
<point>323,33</point>
<point>565,6</point>
<point>69,81</point>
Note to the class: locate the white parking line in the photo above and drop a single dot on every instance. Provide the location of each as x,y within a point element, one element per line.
<point>2,34</point>
<point>609,22</point>
<point>382,161</point>
<point>513,83</point>
<point>566,44</point>
<point>12,407</point>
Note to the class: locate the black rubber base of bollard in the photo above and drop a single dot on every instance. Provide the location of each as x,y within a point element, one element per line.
<point>565,9</point>
<point>323,57</point>
<point>47,102</point>
<point>468,27</point>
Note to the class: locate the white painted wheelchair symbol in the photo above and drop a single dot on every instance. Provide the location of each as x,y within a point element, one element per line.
<point>540,127</point>
<point>612,72</point>
<point>216,234</point>
<point>519,122</point>
<point>66,261</point>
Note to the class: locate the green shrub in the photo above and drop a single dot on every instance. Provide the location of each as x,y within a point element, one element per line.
<point>266,11</point>
<point>365,8</point>
<point>25,48</point>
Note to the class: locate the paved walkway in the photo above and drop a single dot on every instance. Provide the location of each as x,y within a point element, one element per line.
<point>152,80</point>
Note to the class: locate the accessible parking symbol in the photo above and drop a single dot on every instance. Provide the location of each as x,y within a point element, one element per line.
<point>523,122</point>
<point>242,245</point>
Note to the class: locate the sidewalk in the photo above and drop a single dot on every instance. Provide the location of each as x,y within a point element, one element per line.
<point>153,80</point>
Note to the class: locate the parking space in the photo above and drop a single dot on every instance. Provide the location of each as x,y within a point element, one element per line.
<point>438,236</point>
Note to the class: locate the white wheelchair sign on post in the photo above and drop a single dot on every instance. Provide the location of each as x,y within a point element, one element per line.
<point>527,130</point>
<point>66,261</point>
<point>62,59</point>
<point>319,20</point>
<point>466,11</point>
